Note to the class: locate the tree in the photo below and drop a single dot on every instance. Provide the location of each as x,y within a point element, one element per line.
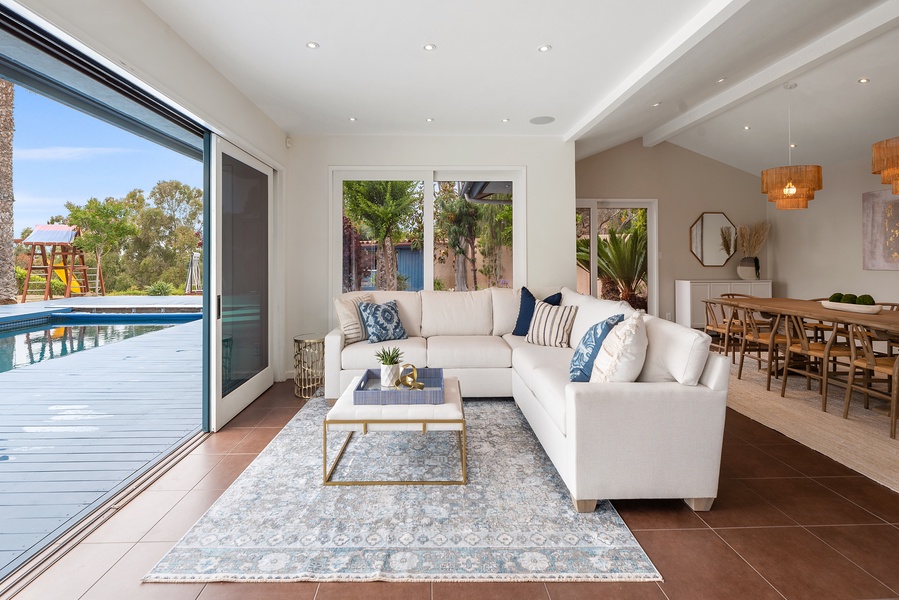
<point>460,221</point>
<point>382,208</point>
<point>622,257</point>
<point>168,223</point>
<point>104,225</point>
<point>7,223</point>
<point>496,234</point>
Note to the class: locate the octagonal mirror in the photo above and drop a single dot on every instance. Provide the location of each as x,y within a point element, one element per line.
<point>713,239</point>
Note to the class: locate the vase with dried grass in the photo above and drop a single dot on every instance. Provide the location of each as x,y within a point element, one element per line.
<point>751,239</point>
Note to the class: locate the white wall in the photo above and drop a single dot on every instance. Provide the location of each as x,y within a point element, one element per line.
<point>818,251</point>
<point>550,204</point>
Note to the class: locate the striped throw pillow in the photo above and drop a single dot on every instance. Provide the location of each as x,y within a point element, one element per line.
<point>551,325</point>
<point>349,318</point>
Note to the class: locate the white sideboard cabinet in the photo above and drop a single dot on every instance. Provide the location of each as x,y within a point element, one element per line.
<point>689,294</point>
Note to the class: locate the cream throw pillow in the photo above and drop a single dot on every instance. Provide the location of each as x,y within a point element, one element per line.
<point>349,318</point>
<point>551,325</point>
<point>623,351</point>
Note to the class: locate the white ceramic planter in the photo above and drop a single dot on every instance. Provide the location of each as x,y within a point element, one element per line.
<point>746,268</point>
<point>389,375</point>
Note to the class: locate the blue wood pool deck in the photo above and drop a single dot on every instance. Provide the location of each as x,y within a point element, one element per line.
<point>76,429</point>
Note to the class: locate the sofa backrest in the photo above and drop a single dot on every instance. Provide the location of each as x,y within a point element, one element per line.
<point>409,305</point>
<point>456,313</point>
<point>506,303</point>
<point>674,353</point>
<point>591,311</point>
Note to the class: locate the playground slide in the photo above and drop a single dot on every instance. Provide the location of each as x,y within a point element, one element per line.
<point>60,271</point>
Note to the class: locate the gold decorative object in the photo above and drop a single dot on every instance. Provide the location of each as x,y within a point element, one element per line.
<point>791,187</point>
<point>409,380</point>
<point>885,162</point>
<point>308,364</point>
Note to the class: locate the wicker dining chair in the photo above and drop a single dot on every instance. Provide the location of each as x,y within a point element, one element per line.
<point>816,359</point>
<point>722,328</point>
<point>756,337</point>
<point>872,365</point>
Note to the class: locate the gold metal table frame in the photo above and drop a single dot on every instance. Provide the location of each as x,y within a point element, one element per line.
<point>364,424</point>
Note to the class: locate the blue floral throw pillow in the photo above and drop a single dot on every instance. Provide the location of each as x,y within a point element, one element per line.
<point>383,321</point>
<point>588,348</point>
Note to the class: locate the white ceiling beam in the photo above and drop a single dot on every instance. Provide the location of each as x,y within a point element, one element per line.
<point>871,24</point>
<point>694,31</point>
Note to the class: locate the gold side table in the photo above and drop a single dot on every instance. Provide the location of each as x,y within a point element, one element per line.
<point>308,364</point>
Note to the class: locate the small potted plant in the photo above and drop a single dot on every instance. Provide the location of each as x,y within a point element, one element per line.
<point>390,365</point>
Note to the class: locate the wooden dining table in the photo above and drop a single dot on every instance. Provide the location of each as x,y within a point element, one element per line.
<point>884,324</point>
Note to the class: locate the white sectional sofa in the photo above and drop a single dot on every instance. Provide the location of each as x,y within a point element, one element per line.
<point>658,437</point>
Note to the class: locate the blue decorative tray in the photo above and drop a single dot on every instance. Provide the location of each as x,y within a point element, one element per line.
<point>369,390</point>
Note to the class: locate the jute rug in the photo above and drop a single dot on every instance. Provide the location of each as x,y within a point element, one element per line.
<point>861,442</point>
<point>512,522</point>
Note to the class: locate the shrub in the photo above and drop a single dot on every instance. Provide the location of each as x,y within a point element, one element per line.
<point>160,288</point>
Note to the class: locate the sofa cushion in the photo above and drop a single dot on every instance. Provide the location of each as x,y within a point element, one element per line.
<point>528,357</point>
<point>362,355</point>
<point>382,321</point>
<point>456,313</point>
<point>585,354</point>
<point>466,352</point>
<point>347,308</point>
<point>409,304</point>
<point>526,310</point>
<point>505,309</point>
<point>551,325</point>
<point>623,352</point>
<point>675,352</point>
<point>544,370</point>
<point>591,311</point>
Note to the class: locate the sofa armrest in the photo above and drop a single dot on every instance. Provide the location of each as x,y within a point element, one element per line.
<point>644,440</point>
<point>334,343</point>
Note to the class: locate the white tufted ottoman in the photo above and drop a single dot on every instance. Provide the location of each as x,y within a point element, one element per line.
<point>346,416</point>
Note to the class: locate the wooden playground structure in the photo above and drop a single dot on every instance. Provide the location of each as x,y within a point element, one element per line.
<point>53,252</point>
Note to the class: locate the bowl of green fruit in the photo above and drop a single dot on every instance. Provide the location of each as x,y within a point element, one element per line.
<point>863,303</point>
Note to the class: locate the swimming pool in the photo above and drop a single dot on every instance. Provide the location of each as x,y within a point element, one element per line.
<point>63,334</point>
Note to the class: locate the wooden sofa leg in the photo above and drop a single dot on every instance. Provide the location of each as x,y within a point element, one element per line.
<point>584,506</point>
<point>699,504</point>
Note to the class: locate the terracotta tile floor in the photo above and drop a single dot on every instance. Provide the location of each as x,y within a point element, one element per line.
<point>788,523</point>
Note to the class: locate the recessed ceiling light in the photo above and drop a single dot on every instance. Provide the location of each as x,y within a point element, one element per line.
<point>429,120</point>
<point>353,119</point>
<point>430,47</point>
<point>542,120</point>
<point>722,79</point>
<point>544,48</point>
<point>312,45</point>
<point>656,105</point>
<point>792,145</point>
<point>746,127</point>
<point>505,120</point>
<point>864,80</point>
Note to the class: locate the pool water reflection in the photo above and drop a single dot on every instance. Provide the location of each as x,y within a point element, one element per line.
<point>22,348</point>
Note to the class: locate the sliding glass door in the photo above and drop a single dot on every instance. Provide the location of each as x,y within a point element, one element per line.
<point>240,331</point>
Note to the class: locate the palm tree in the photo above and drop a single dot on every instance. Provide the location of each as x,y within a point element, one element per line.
<point>383,207</point>
<point>623,258</point>
<point>7,228</point>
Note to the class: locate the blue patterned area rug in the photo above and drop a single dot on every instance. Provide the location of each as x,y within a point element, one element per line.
<point>512,522</point>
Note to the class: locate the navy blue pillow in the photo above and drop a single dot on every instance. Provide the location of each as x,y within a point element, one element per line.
<point>588,348</point>
<point>526,310</point>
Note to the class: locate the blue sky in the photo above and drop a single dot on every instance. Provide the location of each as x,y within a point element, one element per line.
<point>62,155</point>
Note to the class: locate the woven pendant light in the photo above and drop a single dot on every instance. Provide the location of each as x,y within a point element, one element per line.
<point>885,162</point>
<point>791,187</point>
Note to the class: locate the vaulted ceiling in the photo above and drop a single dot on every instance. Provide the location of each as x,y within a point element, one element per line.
<point>711,67</point>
